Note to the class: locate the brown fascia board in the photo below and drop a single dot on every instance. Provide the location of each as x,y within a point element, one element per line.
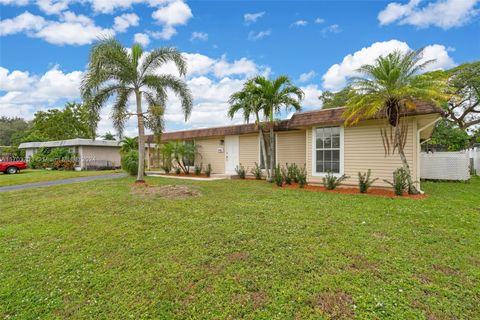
<point>333,116</point>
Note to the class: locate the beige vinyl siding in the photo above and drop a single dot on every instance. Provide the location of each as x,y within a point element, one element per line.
<point>363,149</point>
<point>208,149</point>
<point>248,151</point>
<point>99,153</point>
<point>291,148</point>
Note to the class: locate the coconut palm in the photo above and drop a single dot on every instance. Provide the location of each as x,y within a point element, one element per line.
<point>388,87</point>
<point>128,144</point>
<point>272,96</point>
<point>249,104</point>
<point>115,71</point>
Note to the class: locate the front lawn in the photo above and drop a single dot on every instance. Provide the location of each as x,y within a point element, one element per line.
<point>243,249</point>
<point>31,175</point>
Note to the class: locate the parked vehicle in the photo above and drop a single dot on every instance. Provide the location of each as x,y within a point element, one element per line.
<point>11,167</point>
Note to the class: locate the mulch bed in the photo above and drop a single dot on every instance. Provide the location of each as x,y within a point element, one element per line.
<point>183,174</point>
<point>348,190</point>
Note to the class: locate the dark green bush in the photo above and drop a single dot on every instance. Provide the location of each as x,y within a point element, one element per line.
<point>292,172</point>
<point>46,158</point>
<point>198,169</point>
<point>129,162</point>
<point>278,176</point>
<point>256,171</point>
<point>208,170</point>
<point>400,181</point>
<point>286,175</point>
<point>330,182</point>
<point>241,172</point>
<point>178,170</point>
<point>302,177</point>
<point>364,181</point>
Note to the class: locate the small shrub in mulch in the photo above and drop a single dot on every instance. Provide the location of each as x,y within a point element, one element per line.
<point>167,191</point>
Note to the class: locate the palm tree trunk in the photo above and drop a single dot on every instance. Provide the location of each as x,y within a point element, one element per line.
<point>272,141</point>
<point>264,151</point>
<point>141,137</point>
<point>411,188</point>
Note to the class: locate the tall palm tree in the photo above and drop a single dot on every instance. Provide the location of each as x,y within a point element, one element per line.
<point>273,95</point>
<point>116,71</point>
<point>249,104</point>
<point>388,87</point>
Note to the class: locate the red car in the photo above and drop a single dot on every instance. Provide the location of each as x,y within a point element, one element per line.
<point>12,166</point>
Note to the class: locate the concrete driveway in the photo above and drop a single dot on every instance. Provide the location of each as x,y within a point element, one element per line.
<point>60,182</point>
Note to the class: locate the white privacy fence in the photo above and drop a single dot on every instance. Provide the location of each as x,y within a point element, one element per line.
<point>445,166</point>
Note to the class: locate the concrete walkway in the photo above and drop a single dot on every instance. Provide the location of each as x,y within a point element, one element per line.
<point>62,181</point>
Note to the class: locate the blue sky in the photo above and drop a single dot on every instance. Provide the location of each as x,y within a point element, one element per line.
<point>44,45</point>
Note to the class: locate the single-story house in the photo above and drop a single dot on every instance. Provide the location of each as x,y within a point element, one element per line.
<point>89,153</point>
<point>318,140</point>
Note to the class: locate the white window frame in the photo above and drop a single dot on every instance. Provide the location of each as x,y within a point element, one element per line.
<point>314,152</point>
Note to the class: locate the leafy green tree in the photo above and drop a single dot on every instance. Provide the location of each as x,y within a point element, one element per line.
<point>108,136</point>
<point>336,99</point>
<point>448,134</point>
<point>247,102</point>
<point>272,95</point>
<point>11,129</point>
<point>389,86</point>
<point>59,124</point>
<point>128,144</point>
<point>116,71</point>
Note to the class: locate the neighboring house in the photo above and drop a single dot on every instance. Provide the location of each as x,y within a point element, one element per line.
<point>90,153</point>
<point>317,140</point>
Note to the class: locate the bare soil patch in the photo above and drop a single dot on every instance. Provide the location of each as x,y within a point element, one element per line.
<point>184,175</point>
<point>337,305</point>
<point>167,191</point>
<point>238,256</point>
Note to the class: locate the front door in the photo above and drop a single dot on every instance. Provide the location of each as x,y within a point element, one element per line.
<point>231,154</point>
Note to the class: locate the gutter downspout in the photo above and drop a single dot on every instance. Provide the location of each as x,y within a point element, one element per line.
<point>419,165</point>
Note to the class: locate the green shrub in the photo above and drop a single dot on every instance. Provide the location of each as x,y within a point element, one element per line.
<point>46,158</point>
<point>198,169</point>
<point>129,162</point>
<point>364,181</point>
<point>167,167</point>
<point>330,182</point>
<point>256,171</point>
<point>208,170</point>
<point>286,175</point>
<point>178,170</point>
<point>241,172</point>
<point>278,176</point>
<point>302,177</point>
<point>64,165</point>
<point>400,181</point>
<point>292,172</point>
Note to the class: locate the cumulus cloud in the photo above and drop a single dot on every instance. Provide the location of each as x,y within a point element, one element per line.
<point>14,2</point>
<point>71,29</point>
<point>171,14</point>
<point>142,39</point>
<point>300,23</point>
<point>338,74</point>
<point>201,36</point>
<point>252,17</point>
<point>444,14</point>
<point>307,76</point>
<point>125,21</point>
<point>311,101</point>
<point>319,20</point>
<point>333,28</point>
<point>53,6</point>
<point>253,36</point>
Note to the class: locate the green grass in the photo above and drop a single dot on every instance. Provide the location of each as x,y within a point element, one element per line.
<point>243,249</point>
<point>29,176</point>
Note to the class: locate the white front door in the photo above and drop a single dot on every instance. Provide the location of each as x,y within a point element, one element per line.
<point>231,154</point>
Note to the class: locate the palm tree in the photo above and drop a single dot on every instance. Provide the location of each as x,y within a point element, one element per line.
<point>388,87</point>
<point>108,136</point>
<point>116,71</point>
<point>272,96</point>
<point>128,144</point>
<point>249,104</point>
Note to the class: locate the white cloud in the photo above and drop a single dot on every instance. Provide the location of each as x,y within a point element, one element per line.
<point>15,80</point>
<point>333,28</point>
<point>125,21</point>
<point>319,20</point>
<point>337,75</point>
<point>259,35</point>
<point>444,14</point>
<point>14,2</point>
<point>53,6</point>
<point>201,36</point>
<point>71,29</point>
<point>300,23</point>
<point>311,101</point>
<point>243,66</point>
<point>23,22</point>
<point>109,6</point>
<point>171,14</point>
<point>142,39</point>
<point>307,76</point>
<point>252,17</point>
